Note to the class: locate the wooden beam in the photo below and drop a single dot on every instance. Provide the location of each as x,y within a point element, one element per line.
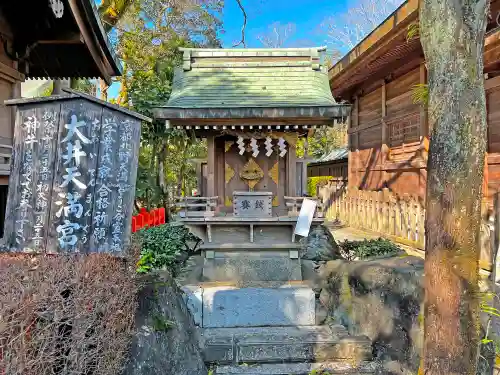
<point>291,174</point>
<point>424,130</point>
<point>492,83</point>
<point>11,74</point>
<point>89,41</point>
<point>356,140</point>
<point>73,38</point>
<point>385,131</point>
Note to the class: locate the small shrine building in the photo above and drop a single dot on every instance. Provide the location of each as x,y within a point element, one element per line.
<point>251,106</point>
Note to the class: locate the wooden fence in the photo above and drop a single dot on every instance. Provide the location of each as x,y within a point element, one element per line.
<point>402,219</point>
<point>147,219</point>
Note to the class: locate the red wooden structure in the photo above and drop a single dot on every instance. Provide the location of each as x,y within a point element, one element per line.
<point>148,219</point>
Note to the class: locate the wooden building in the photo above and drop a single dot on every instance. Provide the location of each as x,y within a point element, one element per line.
<point>40,40</point>
<point>388,133</point>
<point>334,164</point>
<point>251,105</point>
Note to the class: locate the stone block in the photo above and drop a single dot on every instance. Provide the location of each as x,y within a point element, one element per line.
<point>254,307</point>
<point>347,348</point>
<point>193,298</point>
<point>332,368</point>
<point>261,344</point>
<point>252,269</point>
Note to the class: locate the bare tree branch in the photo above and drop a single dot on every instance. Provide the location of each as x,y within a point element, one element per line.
<point>346,30</point>
<point>277,35</point>
<point>242,41</point>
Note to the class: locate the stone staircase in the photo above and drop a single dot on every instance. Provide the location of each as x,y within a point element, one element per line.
<point>256,326</point>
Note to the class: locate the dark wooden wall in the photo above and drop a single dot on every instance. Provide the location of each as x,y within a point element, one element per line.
<point>337,169</point>
<point>388,135</point>
<point>227,161</point>
<point>63,202</point>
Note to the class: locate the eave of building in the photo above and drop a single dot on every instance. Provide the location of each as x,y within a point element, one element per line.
<point>72,46</point>
<point>249,118</point>
<point>247,88</point>
<point>387,53</point>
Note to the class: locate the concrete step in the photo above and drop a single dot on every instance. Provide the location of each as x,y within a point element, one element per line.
<point>331,368</point>
<point>225,307</point>
<point>283,344</point>
<point>262,267</point>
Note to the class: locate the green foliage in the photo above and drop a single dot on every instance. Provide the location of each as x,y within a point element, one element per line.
<point>324,141</point>
<point>147,35</point>
<point>160,324</point>
<point>486,306</point>
<point>366,249</point>
<point>162,247</point>
<point>313,182</point>
<point>83,85</point>
<point>413,31</point>
<point>420,94</point>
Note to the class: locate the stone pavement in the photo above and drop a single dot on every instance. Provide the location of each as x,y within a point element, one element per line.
<point>351,234</point>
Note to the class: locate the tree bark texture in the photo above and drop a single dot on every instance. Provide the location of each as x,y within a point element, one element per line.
<point>452,36</point>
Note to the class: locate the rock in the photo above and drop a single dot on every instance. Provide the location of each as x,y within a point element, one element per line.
<point>382,300</point>
<point>166,341</point>
<point>320,245</point>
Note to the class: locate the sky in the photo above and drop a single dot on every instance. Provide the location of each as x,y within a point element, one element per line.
<point>306,16</point>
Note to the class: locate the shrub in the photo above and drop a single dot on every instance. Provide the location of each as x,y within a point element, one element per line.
<point>366,249</point>
<point>314,182</point>
<point>65,314</point>
<point>164,247</point>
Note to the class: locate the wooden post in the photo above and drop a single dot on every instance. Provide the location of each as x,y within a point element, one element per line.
<point>424,131</point>
<point>355,125</point>
<point>496,238</point>
<point>199,178</point>
<point>291,171</point>
<point>211,166</point>
<point>385,138</point>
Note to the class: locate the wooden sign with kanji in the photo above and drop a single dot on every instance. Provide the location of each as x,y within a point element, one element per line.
<point>73,173</point>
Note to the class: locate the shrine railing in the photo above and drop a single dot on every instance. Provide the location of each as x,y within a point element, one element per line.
<point>147,219</point>
<point>402,218</point>
<point>196,206</point>
<point>294,204</point>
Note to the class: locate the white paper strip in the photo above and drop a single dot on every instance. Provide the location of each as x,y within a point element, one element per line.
<point>305,218</point>
<point>241,145</point>
<point>282,146</point>
<point>269,146</point>
<point>255,147</point>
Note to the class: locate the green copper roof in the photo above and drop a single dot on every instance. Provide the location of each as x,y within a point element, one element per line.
<point>239,78</point>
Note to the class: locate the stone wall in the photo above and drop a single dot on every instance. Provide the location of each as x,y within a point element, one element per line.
<point>167,339</point>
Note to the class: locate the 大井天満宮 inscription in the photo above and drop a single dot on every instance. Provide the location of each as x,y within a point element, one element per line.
<point>75,161</point>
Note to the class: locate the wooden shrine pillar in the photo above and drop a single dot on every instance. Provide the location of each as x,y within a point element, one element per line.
<point>291,166</point>
<point>211,166</point>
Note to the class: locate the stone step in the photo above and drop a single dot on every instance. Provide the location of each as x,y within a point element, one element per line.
<point>330,368</point>
<point>283,344</point>
<point>228,267</point>
<point>225,307</point>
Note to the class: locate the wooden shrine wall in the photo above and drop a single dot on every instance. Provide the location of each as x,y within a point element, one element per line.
<point>385,137</point>
<point>388,137</point>
<point>73,178</point>
<point>10,87</point>
<point>273,168</point>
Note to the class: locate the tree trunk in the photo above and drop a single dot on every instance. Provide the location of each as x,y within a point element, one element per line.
<point>452,36</point>
<point>103,88</point>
